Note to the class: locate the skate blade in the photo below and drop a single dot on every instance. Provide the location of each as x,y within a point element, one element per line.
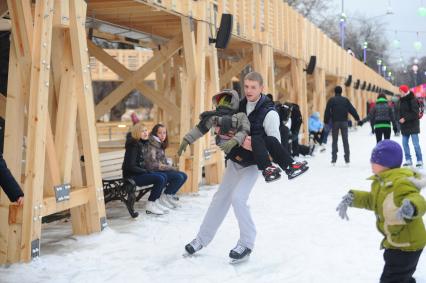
<point>237,261</point>
<point>301,173</point>
<point>273,180</point>
<point>153,214</point>
<point>188,255</point>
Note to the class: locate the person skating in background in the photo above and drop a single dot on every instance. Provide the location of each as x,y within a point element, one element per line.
<point>337,110</point>
<point>370,105</point>
<point>9,184</point>
<point>383,118</point>
<point>233,126</point>
<point>296,124</point>
<point>316,127</point>
<point>410,125</point>
<point>284,111</point>
<point>398,207</point>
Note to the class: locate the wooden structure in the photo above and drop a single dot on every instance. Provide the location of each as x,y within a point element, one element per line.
<point>50,124</point>
<point>49,81</point>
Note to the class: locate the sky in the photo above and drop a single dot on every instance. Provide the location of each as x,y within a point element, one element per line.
<point>405,21</point>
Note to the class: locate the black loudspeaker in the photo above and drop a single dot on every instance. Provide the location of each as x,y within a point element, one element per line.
<point>357,83</point>
<point>348,81</point>
<point>224,33</point>
<point>364,84</point>
<point>311,66</point>
<point>369,87</point>
<point>373,89</point>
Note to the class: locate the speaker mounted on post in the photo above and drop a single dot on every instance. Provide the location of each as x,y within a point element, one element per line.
<point>224,32</point>
<point>348,81</point>
<point>364,84</point>
<point>311,65</point>
<point>369,87</point>
<point>357,83</point>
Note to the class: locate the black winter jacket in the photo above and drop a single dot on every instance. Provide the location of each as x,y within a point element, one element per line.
<point>381,115</point>
<point>134,158</point>
<point>337,110</point>
<point>409,110</point>
<point>8,182</point>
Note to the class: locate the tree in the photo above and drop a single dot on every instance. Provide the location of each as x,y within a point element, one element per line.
<point>357,31</point>
<point>314,10</point>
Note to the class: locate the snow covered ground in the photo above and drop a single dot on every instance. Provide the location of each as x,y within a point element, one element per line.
<point>300,237</point>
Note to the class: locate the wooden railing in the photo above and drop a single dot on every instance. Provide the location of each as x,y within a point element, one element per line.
<point>274,23</point>
<point>131,59</point>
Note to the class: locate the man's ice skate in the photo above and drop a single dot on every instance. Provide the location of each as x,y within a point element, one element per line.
<point>419,164</point>
<point>193,247</point>
<point>407,163</point>
<point>239,254</point>
<point>271,174</point>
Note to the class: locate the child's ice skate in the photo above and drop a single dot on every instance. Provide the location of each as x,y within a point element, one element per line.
<point>271,174</point>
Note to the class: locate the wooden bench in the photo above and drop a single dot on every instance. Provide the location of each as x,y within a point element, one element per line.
<point>115,186</point>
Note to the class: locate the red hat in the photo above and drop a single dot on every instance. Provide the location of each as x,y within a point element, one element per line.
<point>134,117</point>
<point>404,88</point>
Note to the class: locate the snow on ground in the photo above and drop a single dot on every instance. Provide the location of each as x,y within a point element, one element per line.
<point>300,237</point>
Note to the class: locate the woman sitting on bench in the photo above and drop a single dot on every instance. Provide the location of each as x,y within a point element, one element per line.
<point>134,167</point>
<point>157,161</point>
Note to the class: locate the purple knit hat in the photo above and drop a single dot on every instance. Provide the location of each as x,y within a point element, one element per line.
<point>387,153</point>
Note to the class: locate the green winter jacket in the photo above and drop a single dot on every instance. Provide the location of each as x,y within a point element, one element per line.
<point>388,190</point>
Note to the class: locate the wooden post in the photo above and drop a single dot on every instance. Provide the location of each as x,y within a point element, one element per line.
<point>36,136</point>
<point>95,208</point>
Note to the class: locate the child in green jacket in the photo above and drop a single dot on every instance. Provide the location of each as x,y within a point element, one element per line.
<point>398,206</point>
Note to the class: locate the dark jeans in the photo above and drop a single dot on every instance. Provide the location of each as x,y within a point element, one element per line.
<point>295,143</point>
<point>399,266</point>
<point>175,180</point>
<point>158,179</point>
<point>265,146</point>
<point>343,128</point>
<point>382,132</point>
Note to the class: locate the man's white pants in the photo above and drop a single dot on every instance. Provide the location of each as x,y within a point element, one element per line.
<point>234,190</point>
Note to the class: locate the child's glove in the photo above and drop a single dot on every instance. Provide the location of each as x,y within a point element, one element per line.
<point>227,146</point>
<point>182,147</point>
<point>406,211</point>
<point>344,204</point>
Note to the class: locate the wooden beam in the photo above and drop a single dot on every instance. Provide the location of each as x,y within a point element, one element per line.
<point>94,210</point>
<point>10,235</point>
<point>167,51</point>
<point>235,70</point>
<point>78,197</point>
<point>3,8</point>
<point>2,106</point>
<point>37,115</point>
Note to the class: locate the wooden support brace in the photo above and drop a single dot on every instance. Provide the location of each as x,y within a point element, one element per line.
<point>134,80</point>
<point>155,96</point>
<point>235,70</point>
